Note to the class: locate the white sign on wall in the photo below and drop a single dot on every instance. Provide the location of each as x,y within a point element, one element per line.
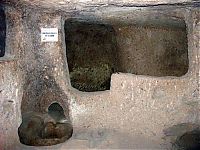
<point>49,34</point>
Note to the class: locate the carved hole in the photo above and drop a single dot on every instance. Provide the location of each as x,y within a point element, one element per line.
<point>188,141</point>
<point>39,129</point>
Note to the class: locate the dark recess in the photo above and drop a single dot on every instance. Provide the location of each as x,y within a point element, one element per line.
<point>91,54</point>
<point>56,112</point>
<point>188,141</point>
<point>45,129</point>
<point>95,50</point>
<point>2,31</point>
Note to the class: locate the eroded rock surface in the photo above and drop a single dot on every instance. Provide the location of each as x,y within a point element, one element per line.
<point>42,130</point>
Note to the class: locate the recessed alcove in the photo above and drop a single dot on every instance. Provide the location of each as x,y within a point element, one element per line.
<point>45,129</point>
<point>96,49</point>
<point>56,112</point>
<point>188,141</point>
<point>2,31</point>
<point>91,56</point>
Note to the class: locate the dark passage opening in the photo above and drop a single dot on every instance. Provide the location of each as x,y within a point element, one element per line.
<point>57,113</point>
<point>2,31</point>
<point>188,141</point>
<point>90,54</point>
<point>157,47</point>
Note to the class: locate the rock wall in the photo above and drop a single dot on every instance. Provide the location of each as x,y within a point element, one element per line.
<point>137,112</point>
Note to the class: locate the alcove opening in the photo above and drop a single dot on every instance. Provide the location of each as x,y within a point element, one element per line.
<point>90,50</point>
<point>2,31</point>
<point>188,141</point>
<point>156,47</point>
<point>45,129</point>
<point>57,112</point>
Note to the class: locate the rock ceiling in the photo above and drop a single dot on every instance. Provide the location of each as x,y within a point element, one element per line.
<point>84,4</point>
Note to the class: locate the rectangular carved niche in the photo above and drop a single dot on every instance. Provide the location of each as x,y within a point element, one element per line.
<point>155,47</point>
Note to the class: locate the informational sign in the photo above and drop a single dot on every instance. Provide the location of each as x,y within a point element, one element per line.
<point>49,34</point>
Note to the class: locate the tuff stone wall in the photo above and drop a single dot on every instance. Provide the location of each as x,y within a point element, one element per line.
<point>137,112</point>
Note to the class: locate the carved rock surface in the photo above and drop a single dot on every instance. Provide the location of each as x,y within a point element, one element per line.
<point>34,131</point>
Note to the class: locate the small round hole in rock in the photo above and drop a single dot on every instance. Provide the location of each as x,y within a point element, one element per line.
<point>57,113</point>
<point>45,129</point>
<point>188,141</point>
